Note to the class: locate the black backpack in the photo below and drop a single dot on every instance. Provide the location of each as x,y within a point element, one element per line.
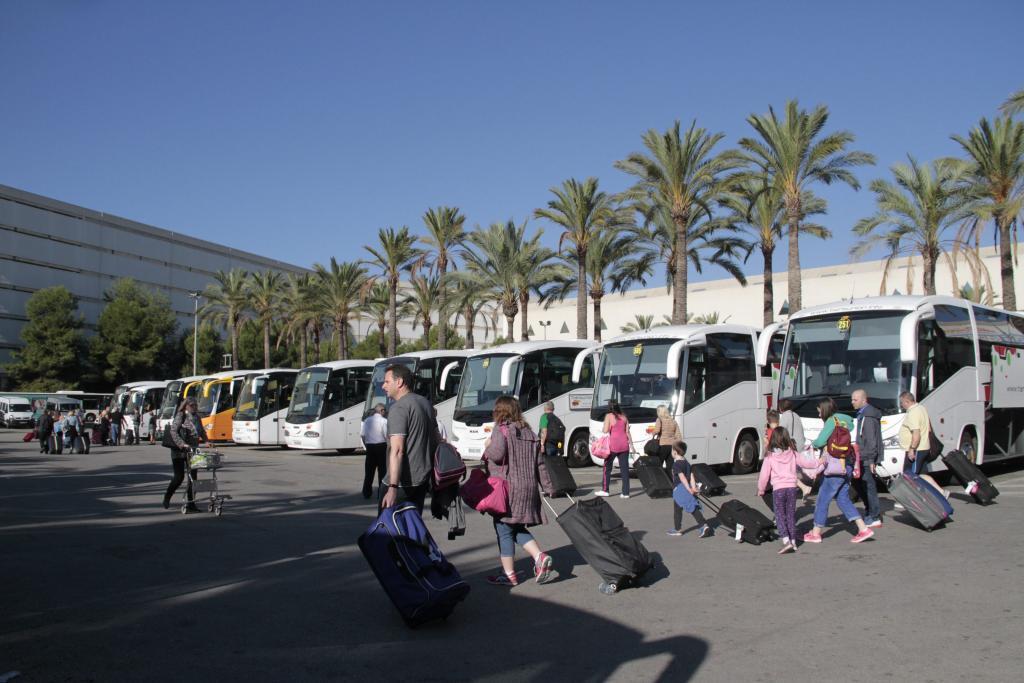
<point>556,429</point>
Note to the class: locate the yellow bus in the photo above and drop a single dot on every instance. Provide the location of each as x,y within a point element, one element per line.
<point>217,402</point>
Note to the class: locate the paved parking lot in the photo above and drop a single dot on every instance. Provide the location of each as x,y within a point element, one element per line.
<point>101,584</point>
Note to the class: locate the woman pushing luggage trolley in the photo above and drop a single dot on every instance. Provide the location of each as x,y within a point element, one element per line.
<point>210,461</point>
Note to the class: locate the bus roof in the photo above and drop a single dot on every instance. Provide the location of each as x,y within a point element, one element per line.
<point>155,384</point>
<point>898,302</point>
<point>341,364</point>
<point>683,332</point>
<point>433,353</point>
<point>257,373</point>
<point>192,378</point>
<point>522,347</point>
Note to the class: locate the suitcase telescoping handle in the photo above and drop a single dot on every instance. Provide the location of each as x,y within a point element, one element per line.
<point>547,502</point>
<point>707,501</point>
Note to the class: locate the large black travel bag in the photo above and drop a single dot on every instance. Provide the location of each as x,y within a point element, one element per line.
<point>560,476</point>
<point>421,583</point>
<point>599,535</point>
<point>970,477</point>
<point>919,499</point>
<point>653,477</point>
<point>734,514</point>
<point>56,443</point>
<point>710,484</point>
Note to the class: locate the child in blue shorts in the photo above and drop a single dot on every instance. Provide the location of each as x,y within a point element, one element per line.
<point>684,495</point>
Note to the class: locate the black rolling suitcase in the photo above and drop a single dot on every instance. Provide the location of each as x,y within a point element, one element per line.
<point>710,483</point>
<point>560,476</point>
<point>599,535</point>
<point>653,477</point>
<point>743,521</point>
<point>970,477</point>
<point>56,443</point>
<point>922,504</point>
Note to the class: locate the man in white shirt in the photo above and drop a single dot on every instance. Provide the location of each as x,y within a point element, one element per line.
<point>375,440</point>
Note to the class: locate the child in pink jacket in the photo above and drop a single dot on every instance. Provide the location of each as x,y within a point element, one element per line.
<point>779,470</point>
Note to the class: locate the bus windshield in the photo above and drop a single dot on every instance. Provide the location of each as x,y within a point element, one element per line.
<point>376,394</point>
<point>481,385</point>
<point>310,387</point>
<point>633,374</point>
<point>120,399</point>
<point>250,399</point>
<point>171,398</point>
<point>216,400</point>
<point>831,356</point>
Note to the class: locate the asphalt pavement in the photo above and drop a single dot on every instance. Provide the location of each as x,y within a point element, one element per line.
<point>100,583</point>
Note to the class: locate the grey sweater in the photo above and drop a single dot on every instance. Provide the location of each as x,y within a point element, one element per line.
<point>869,434</point>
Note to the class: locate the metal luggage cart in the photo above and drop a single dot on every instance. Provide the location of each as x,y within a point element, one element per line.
<point>208,461</point>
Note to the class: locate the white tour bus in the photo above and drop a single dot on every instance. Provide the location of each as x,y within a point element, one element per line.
<point>132,395</point>
<point>964,362</point>
<point>435,374</point>
<point>535,372</point>
<point>326,409</point>
<point>262,408</point>
<point>705,376</point>
<point>173,394</point>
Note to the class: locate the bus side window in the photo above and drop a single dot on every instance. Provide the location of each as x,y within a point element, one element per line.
<point>269,404</point>
<point>224,399</point>
<point>696,369</point>
<point>530,389</point>
<point>451,387</point>
<point>730,360</point>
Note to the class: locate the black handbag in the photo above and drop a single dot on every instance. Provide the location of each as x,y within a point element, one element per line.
<point>167,441</point>
<point>652,447</point>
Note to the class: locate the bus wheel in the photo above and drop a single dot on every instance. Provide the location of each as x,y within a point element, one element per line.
<point>745,458</point>
<point>578,454</point>
<point>283,446</point>
<point>969,445</point>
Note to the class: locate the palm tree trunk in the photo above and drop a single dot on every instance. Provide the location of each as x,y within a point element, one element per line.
<point>597,314</point>
<point>467,313</point>
<point>510,325</point>
<point>339,327</point>
<point>1006,265</point>
<point>381,330</point>
<point>266,344</point>
<point>769,287</point>
<point>316,344</point>
<point>302,348</point>
<point>679,278</point>
<point>524,322</point>
<point>426,333</point>
<point>581,293</point>
<point>796,299</point>
<point>928,257</point>
<point>392,315</point>
<point>442,304</point>
<point>233,331</point>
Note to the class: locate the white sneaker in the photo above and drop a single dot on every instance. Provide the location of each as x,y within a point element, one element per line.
<point>898,506</point>
<point>603,494</point>
<point>624,495</point>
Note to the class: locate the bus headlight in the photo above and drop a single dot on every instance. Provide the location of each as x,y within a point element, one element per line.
<point>454,438</point>
<point>892,442</point>
<point>209,428</point>
<point>312,435</point>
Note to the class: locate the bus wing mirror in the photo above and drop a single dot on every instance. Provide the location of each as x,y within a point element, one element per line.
<point>581,358</point>
<point>908,336</point>
<point>444,373</point>
<point>675,351</point>
<point>506,371</point>
<point>764,343</point>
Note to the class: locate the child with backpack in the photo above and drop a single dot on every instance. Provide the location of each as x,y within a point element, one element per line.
<point>779,470</point>
<point>684,495</point>
<point>773,422</point>
<point>837,461</point>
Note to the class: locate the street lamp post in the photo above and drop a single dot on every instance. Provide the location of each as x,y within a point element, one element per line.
<point>195,333</point>
<point>545,324</point>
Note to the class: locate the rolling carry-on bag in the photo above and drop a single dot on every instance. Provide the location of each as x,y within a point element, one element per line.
<point>710,483</point>
<point>56,443</point>
<point>561,478</point>
<point>743,521</point>
<point>604,542</point>
<point>970,477</point>
<point>653,477</point>
<point>421,583</point>
<point>920,500</point>
<point>82,444</point>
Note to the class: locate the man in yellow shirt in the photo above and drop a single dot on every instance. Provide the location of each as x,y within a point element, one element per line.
<point>914,439</point>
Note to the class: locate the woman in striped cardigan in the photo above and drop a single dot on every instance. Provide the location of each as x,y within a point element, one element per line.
<point>513,454</point>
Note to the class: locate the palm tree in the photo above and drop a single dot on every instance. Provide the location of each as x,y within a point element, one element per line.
<point>397,252</point>
<point>376,305</point>
<point>535,269</point>
<point>295,313</point>
<point>343,287</point>
<point>615,261</point>
<point>794,155</point>
<point>580,210</point>
<point>996,151</point>
<point>640,323</point>
<point>1015,104</point>
<point>712,318</point>
<point>683,175</point>
<point>422,298</point>
<point>227,302</point>
<point>492,260</point>
<point>757,207</point>
<point>923,203</point>
<point>444,233</point>
<point>470,299</point>
<point>265,300</point>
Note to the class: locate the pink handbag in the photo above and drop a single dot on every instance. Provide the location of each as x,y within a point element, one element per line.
<point>485,494</point>
<point>601,448</point>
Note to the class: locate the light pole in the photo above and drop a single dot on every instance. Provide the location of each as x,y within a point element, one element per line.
<point>545,324</point>
<point>195,333</point>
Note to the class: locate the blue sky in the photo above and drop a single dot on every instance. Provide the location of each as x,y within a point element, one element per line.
<point>296,129</point>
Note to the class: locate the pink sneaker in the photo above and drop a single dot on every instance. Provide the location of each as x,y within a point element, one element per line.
<point>542,568</point>
<point>812,537</point>
<point>862,536</point>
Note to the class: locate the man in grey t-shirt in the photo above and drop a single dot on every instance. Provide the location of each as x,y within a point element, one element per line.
<point>412,440</point>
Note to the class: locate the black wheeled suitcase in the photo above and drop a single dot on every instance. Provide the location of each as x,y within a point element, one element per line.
<point>970,477</point>
<point>561,478</point>
<point>710,483</point>
<point>914,495</point>
<point>56,443</point>
<point>607,545</point>
<point>653,477</point>
<point>745,522</point>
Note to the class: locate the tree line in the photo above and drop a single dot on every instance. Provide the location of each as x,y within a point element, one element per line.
<point>692,203</point>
